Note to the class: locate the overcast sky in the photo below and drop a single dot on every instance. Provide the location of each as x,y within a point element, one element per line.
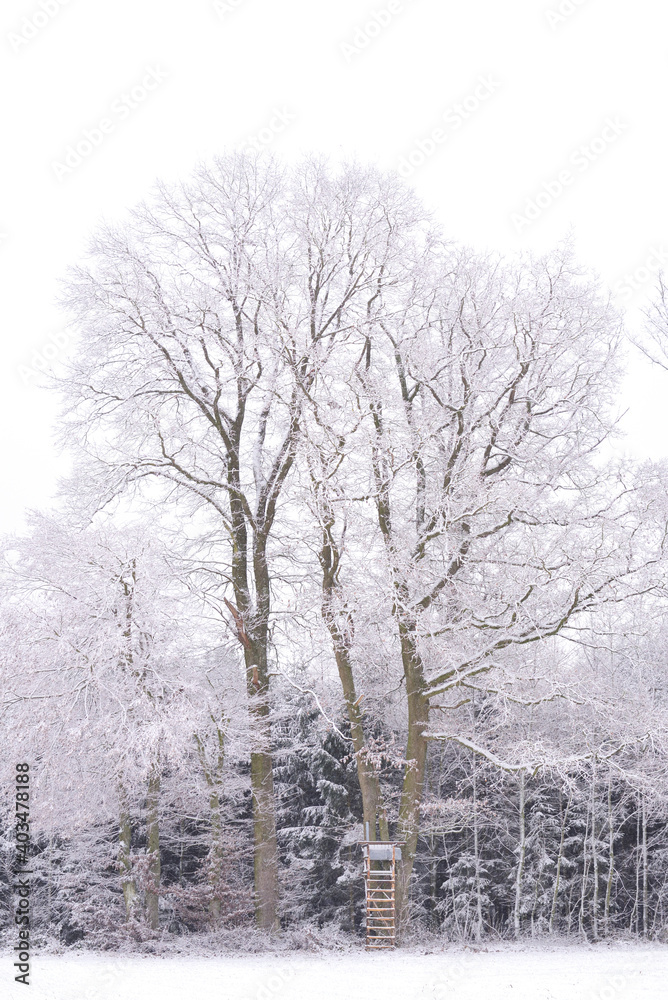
<point>518,121</point>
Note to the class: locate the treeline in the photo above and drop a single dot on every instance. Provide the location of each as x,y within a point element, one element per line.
<point>580,851</point>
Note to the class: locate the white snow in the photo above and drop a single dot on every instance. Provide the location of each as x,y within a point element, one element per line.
<point>568,973</point>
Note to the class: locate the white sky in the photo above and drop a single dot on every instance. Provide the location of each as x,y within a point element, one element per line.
<point>232,69</point>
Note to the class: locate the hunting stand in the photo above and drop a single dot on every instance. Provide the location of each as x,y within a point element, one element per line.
<point>380,858</point>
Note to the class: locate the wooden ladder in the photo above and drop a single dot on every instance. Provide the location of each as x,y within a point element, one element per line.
<point>380,903</point>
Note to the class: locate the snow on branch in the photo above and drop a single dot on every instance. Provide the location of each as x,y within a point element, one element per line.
<point>532,766</point>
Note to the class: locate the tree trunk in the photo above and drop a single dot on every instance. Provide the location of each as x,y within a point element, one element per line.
<point>252,626</point>
<point>214,781</point>
<point>264,834</point>
<point>520,860</point>
<point>373,813</point>
<point>153,848</point>
<point>215,856</point>
<point>416,757</point>
<point>340,625</point>
<point>645,896</point>
<point>455,914</point>
<point>585,872</point>
<point>124,859</point>
<point>476,854</point>
<point>611,858</point>
<point>262,774</point>
<point>182,847</point>
<point>635,914</point>
<point>594,854</point>
<point>557,877</point>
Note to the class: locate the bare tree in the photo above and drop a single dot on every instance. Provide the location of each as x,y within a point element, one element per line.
<point>205,321</point>
<point>98,626</point>
<point>489,391</point>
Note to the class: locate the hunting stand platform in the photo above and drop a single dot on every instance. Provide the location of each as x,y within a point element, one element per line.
<point>380,858</point>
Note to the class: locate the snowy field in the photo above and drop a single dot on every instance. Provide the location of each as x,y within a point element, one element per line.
<point>568,973</point>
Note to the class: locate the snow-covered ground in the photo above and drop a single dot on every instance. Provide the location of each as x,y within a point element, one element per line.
<point>568,973</point>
